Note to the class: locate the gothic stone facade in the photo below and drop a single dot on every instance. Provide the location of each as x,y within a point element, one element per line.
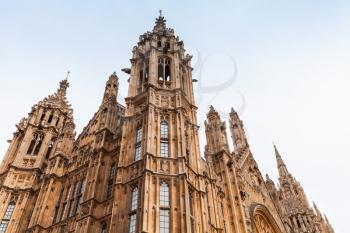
<point>138,167</point>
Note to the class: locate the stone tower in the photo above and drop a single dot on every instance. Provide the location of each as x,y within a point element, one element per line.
<point>138,168</point>
<point>42,139</point>
<point>158,185</point>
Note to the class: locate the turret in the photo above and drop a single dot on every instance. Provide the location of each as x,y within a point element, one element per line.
<point>41,145</point>
<point>111,90</point>
<point>215,130</point>
<point>237,131</point>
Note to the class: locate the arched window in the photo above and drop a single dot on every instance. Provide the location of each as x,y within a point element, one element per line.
<point>164,71</point>
<point>164,139</point>
<point>263,220</point>
<point>164,202</point>
<point>7,217</point>
<point>35,144</point>
<point>133,210</point>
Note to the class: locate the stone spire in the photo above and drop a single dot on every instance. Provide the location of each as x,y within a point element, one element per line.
<point>111,90</point>
<point>282,168</point>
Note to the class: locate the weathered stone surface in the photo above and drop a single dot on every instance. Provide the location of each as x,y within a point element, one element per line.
<point>138,168</point>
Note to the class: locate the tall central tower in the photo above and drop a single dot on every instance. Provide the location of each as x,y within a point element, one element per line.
<point>159,162</point>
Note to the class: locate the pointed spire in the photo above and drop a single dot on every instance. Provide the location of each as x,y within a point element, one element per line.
<point>282,168</point>
<point>111,90</point>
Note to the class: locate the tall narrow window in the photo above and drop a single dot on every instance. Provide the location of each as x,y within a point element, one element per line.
<point>132,226</point>
<point>42,116</point>
<point>164,202</point>
<point>164,71</point>
<point>164,194</point>
<point>192,211</point>
<point>164,221</point>
<point>39,141</point>
<point>167,70</point>
<point>133,209</point>
<point>160,69</point>
<point>7,217</point>
<point>49,149</point>
<point>141,77</point>
<point>50,118</point>
<point>164,139</point>
<point>111,180</point>
<point>63,211</point>
<point>75,189</point>
<point>32,144</point>
<point>134,199</point>
<point>55,215</point>
<point>70,208</point>
<point>104,228</point>
<point>208,206</point>
<point>80,195</point>
<point>138,148</point>
<point>67,193</point>
<point>147,74</point>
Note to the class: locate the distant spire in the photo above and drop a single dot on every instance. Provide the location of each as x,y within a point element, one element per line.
<point>282,168</point>
<point>64,84</point>
<point>68,73</point>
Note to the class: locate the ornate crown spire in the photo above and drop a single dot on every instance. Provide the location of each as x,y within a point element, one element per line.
<point>160,23</point>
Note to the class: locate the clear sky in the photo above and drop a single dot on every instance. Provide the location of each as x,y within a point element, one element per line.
<point>283,64</point>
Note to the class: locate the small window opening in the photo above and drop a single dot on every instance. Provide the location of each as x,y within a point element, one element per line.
<point>147,74</point>
<point>50,118</point>
<point>141,76</point>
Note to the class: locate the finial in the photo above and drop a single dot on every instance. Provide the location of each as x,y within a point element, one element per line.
<point>68,72</point>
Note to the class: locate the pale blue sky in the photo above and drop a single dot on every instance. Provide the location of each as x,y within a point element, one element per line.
<point>292,60</point>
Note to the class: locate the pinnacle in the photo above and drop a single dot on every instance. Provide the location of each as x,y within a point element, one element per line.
<point>62,90</point>
<point>160,24</point>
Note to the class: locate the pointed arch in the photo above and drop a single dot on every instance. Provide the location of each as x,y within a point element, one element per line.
<point>263,221</point>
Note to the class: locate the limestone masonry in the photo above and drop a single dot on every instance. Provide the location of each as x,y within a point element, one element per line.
<point>138,168</point>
